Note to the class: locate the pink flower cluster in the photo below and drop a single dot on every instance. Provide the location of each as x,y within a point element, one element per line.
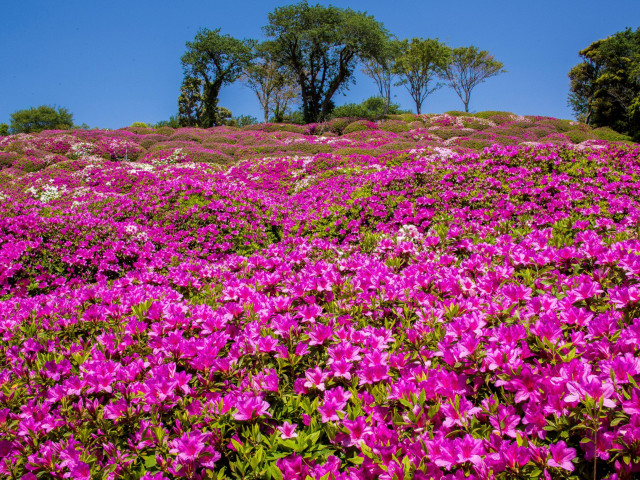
<point>425,313</point>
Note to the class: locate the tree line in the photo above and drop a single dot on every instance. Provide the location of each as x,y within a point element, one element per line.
<point>310,55</point>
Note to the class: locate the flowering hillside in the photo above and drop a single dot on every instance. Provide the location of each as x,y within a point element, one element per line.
<point>432,296</point>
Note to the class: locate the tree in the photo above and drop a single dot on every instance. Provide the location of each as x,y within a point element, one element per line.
<point>605,87</point>
<point>44,117</point>
<point>190,102</point>
<point>467,67</point>
<point>419,63</point>
<point>214,60</point>
<point>382,70</point>
<point>321,46</point>
<point>272,83</point>
<point>4,129</point>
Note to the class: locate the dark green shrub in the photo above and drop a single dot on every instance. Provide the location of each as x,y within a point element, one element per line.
<point>445,133</point>
<point>394,126</point>
<point>359,126</point>
<point>29,164</point>
<point>492,113</point>
<point>476,144</point>
<point>579,136</point>
<point>610,135</point>
<point>371,109</point>
<point>7,159</point>
<point>150,140</point>
<point>185,137</point>
<point>165,130</point>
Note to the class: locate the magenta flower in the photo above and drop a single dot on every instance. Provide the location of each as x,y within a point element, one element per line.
<point>250,407</point>
<point>287,430</point>
<point>561,456</point>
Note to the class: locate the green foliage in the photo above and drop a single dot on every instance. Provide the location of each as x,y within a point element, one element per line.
<point>173,122</point>
<point>37,119</point>
<point>273,84</point>
<point>139,124</point>
<point>395,126</point>
<point>608,134</point>
<point>381,69</point>
<point>488,114</point>
<point>372,108</point>
<point>211,61</point>
<point>359,126</point>
<point>578,136</point>
<point>468,67</point>
<point>4,129</point>
<point>321,46</point>
<point>604,89</point>
<point>243,121</point>
<point>420,62</point>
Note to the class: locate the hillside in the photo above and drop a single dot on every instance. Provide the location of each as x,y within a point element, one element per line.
<point>436,296</point>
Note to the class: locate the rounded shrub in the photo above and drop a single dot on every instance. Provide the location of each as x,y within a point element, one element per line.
<point>395,126</point>
<point>488,114</point>
<point>359,126</point>
<point>610,135</point>
<point>579,136</point>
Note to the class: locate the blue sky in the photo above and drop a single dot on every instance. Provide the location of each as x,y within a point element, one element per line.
<point>115,62</point>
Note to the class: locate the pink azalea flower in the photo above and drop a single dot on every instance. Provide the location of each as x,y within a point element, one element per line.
<point>561,456</point>
<point>287,430</point>
<point>250,407</point>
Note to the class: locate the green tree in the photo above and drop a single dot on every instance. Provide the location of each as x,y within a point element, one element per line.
<point>321,46</point>
<point>214,60</point>
<point>419,64</point>
<point>4,129</point>
<point>382,70</point>
<point>273,84</point>
<point>190,102</point>
<point>44,117</point>
<point>605,86</point>
<point>467,67</point>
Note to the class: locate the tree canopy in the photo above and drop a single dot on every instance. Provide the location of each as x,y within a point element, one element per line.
<point>37,119</point>
<point>467,67</point>
<point>605,86</point>
<point>274,85</point>
<point>419,64</point>
<point>211,61</point>
<point>321,46</point>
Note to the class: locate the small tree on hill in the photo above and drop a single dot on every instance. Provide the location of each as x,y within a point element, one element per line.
<point>467,67</point>
<point>214,60</point>
<point>44,117</point>
<point>419,64</point>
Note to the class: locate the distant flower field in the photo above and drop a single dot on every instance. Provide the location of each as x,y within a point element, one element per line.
<point>424,297</point>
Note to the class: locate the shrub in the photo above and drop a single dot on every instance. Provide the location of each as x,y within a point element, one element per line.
<point>185,137</point>
<point>149,140</point>
<point>277,127</point>
<point>7,159</point>
<point>165,130</point>
<point>610,135</point>
<point>579,136</point>
<point>447,132</point>
<point>29,164</point>
<point>476,144</point>
<point>457,113</point>
<point>371,109</point>
<point>491,113</point>
<point>359,126</point>
<point>395,126</point>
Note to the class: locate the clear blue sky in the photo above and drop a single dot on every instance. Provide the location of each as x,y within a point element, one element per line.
<point>115,62</point>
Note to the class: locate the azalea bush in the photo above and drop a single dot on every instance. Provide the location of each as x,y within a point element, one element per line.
<point>436,309</point>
